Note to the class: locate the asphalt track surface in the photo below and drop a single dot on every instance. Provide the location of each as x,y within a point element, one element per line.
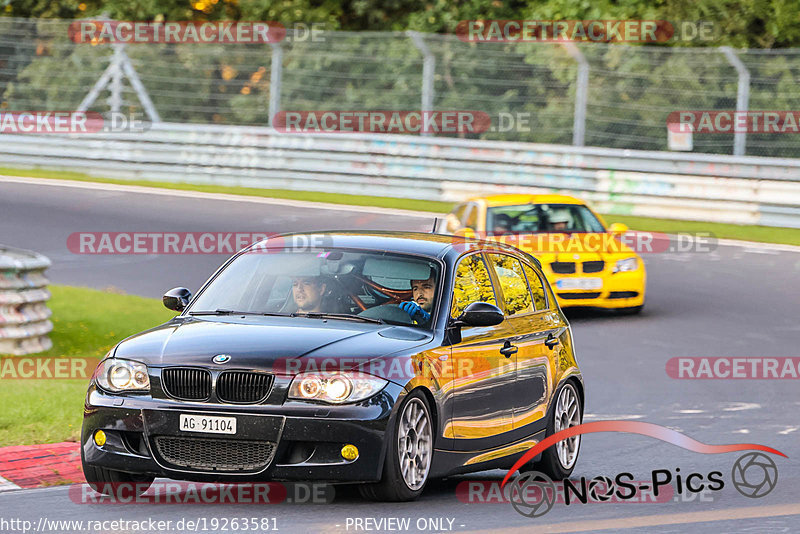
<point>733,301</point>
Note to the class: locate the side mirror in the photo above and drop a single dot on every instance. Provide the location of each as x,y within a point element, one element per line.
<point>177,299</point>
<point>618,228</point>
<point>481,314</point>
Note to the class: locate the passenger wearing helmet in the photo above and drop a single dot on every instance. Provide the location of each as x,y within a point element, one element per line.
<point>559,221</point>
<point>502,224</point>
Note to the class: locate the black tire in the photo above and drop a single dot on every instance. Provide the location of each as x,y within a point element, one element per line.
<point>392,486</point>
<point>549,463</point>
<point>115,483</point>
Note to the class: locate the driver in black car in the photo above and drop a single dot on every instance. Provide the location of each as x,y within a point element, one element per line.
<point>421,305</point>
<point>307,292</point>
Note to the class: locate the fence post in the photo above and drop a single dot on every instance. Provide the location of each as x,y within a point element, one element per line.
<point>275,81</point>
<point>120,65</point>
<point>115,100</point>
<point>428,68</point>
<point>581,94</point>
<point>742,96</point>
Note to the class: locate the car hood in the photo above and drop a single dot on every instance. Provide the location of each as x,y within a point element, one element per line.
<point>570,247</point>
<point>265,343</point>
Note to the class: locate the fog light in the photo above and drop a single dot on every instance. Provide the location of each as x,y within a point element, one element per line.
<point>100,438</point>
<point>349,452</point>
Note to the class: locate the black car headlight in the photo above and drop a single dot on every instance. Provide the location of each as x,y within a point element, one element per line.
<point>335,388</point>
<point>122,375</point>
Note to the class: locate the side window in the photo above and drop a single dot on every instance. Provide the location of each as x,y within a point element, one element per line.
<point>472,284</point>
<point>512,280</point>
<point>537,289</point>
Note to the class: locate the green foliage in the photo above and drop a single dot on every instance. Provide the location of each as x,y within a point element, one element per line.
<point>632,88</point>
<point>739,23</point>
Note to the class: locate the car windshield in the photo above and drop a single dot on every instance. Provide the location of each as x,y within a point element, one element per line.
<point>353,285</point>
<point>541,218</point>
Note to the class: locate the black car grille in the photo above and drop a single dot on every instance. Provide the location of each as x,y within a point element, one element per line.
<point>579,296</point>
<point>593,266</point>
<point>215,454</point>
<point>243,387</point>
<point>186,383</point>
<point>563,267</point>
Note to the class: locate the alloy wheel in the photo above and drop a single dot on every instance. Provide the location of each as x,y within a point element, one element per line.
<point>414,444</point>
<point>567,414</point>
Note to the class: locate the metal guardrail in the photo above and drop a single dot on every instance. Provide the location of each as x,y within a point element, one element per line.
<point>742,190</point>
<point>24,316</point>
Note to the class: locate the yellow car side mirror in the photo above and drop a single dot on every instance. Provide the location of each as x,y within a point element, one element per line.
<point>617,228</point>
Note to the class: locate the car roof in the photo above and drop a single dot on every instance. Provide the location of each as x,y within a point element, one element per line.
<point>426,244</point>
<point>511,200</point>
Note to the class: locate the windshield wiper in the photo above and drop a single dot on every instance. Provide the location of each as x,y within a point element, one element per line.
<point>222,311</point>
<point>350,316</point>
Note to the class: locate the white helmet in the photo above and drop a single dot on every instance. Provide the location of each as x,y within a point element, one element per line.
<point>560,216</point>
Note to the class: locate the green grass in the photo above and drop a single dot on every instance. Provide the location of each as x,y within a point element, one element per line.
<point>86,323</point>
<point>764,234</point>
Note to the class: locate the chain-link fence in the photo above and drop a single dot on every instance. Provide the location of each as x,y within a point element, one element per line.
<point>593,94</point>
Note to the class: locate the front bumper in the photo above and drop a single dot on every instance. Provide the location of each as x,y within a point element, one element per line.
<point>618,290</point>
<point>307,437</point>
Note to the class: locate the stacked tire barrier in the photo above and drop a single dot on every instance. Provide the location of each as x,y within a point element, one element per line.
<point>24,315</point>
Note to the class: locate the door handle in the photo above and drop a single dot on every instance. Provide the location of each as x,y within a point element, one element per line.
<point>508,349</point>
<point>551,341</point>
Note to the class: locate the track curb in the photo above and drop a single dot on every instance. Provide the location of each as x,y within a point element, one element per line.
<point>36,466</point>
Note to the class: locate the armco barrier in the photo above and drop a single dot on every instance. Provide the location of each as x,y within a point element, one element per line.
<point>743,190</point>
<point>24,316</point>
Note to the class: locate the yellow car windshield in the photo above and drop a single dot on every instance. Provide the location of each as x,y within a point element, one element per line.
<point>538,218</point>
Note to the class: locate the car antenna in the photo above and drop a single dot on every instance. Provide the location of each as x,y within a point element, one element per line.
<point>435,224</point>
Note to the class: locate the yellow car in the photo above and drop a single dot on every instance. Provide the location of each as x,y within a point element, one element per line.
<point>586,262</point>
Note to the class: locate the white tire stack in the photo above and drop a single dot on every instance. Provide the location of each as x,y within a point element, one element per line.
<point>24,315</point>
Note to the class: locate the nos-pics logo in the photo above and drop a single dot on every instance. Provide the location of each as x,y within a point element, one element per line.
<point>533,494</point>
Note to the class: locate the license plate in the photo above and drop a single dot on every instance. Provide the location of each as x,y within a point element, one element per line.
<point>579,283</point>
<point>207,423</point>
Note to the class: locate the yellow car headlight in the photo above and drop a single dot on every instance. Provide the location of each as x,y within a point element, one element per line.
<point>628,264</point>
<point>335,388</point>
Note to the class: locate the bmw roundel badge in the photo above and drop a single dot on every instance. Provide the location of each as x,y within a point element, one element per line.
<point>221,358</point>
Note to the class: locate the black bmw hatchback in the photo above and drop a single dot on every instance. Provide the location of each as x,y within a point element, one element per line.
<point>383,359</point>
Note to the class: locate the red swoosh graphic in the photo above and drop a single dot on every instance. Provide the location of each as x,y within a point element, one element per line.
<point>636,427</point>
